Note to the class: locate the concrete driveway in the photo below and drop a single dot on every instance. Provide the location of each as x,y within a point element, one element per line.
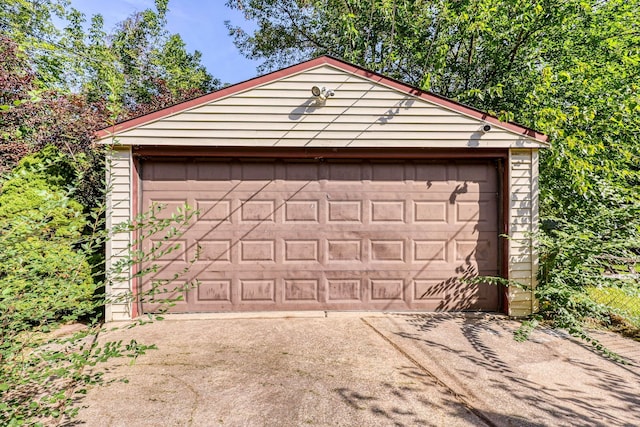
<point>364,370</point>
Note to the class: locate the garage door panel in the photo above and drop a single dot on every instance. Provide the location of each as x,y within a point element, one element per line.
<point>337,291</point>
<point>299,289</point>
<point>215,250</point>
<point>336,248</point>
<point>163,295</point>
<point>442,295</point>
<point>169,250</point>
<point>213,209</point>
<point>430,291</point>
<point>305,172</point>
<point>344,235</point>
<point>159,171</point>
<point>214,292</point>
<point>257,290</point>
<point>167,207</point>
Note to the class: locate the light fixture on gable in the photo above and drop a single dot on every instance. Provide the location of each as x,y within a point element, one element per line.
<point>322,93</point>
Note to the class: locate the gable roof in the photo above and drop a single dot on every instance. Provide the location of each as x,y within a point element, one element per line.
<point>313,63</point>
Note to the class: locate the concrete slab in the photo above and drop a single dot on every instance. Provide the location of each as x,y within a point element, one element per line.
<point>269,372</point>
<point>362,370</point>
<point>551,379</point>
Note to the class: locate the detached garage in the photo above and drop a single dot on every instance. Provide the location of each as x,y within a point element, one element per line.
<point>325,186</point>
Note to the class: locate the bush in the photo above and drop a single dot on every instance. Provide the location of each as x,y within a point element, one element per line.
<point>49,247</point>
<point>580,255</point>
<point>43,277</point>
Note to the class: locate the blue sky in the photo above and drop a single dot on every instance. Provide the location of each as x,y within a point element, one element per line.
<point>199,22</point>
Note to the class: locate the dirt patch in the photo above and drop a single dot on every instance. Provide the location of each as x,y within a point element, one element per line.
<point>623,327</point>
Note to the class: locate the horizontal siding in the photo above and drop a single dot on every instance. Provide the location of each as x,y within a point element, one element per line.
<point>521,310</point>
<point>329,133</point>
<point>324,115</point>
<point>345,96</point>
<point>521,296</point>
<point>525,203</point>
<point>118,211</point>
<point>526,228</point>
<point>323,75</point>
<point>524,183</point>
<point>283,113</point>
<point>357,142</point>
<point>523,267</point>
<point>521,275</point>
<point>301,111</point>
<point>523,220</point>
<point>223,128</point>
<point>119,247</point>
<point>521,173</point>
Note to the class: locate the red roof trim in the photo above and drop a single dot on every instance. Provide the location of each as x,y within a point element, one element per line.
<point>435,99</point>
<point>322,60</point>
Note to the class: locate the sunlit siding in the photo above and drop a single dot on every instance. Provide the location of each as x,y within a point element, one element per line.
<point>523,223</point>
<point>284,114</point>
<point>118,211</point>
<point>362,114</point>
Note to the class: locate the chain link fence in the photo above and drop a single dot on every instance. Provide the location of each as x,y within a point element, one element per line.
<point>623,298</point>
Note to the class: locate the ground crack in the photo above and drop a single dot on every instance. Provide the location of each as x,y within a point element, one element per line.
<point>461,398</point>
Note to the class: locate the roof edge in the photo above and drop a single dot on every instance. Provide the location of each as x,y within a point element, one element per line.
<point>303,66</point>
<point>438,99</point>
<point>212,96</point>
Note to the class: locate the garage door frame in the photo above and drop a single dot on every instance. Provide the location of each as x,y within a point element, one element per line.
<point>500,156</point>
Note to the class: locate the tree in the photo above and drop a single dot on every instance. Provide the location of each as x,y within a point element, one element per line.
<point>453,48</point>
<point>32,118</point>
<point>140,61</point>
<point>30,25</point>
<point>128,66</point>
<point>59,86</point>
<point>567,68</point>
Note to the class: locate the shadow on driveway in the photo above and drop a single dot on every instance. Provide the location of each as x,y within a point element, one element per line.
<point>549,380</point>
<point>394,370</point>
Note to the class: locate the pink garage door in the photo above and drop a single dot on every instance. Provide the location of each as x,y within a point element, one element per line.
<point>334,235</point>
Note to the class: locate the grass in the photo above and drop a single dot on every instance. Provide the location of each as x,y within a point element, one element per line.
<point>624,305</point>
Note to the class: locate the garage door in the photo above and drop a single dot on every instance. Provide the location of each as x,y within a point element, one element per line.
<point>331,235</point>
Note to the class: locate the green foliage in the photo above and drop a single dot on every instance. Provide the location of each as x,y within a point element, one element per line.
<point>30,24</point>
<point>587,100</point>
<point>567,68</point>
<point>476,50</point>
<point>137,62</point>
<point>42,276</point>
<point>130,65</point>
<point>580,254</point>
<point>623,301</point>
<point>56,88</point>
<point>524,331</point>
<point>47,255</point>
<point>32,118</point>
<point>41,378</point>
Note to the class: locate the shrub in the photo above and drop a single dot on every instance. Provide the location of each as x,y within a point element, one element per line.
<point>42,276</point>
<point>48,250</point>
<point>580,255</point>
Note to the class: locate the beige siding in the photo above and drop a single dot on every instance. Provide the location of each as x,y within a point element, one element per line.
<point>362,114</point>
<point>118,211</point>
<point>284,114</point>
<point>523,222</point>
